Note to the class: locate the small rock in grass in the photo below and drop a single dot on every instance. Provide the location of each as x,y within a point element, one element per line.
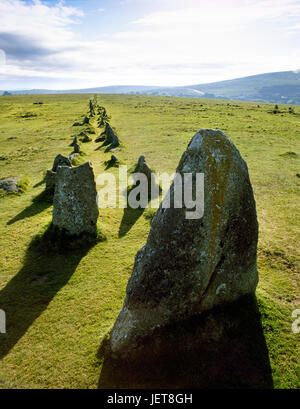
<point>10,184</point>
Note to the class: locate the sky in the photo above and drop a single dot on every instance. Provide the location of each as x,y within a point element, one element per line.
<point>65,44</point>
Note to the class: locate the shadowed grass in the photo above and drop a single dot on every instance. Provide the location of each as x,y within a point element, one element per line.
<point>52,239</point>
<point>30,291</point>
<point>208,351</point>
<point>41,202</point>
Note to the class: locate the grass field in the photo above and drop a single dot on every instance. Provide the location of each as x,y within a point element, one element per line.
<point>60,306</point>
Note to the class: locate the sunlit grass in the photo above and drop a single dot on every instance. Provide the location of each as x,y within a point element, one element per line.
<point>62,305</point>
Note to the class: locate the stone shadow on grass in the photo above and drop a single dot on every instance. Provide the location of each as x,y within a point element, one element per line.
<point>40,203</point>
<point>40,183</point>
<point>102,138</point>
<point>221,348</point>
<point>30,291</point>
<point>111,164</point>
<point>130,215</point>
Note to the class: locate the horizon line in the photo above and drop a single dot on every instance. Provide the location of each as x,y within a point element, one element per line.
<point>297,71</point>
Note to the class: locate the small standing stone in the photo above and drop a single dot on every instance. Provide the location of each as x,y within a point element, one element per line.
<point>86,138</point>
<point>143,167</point>
<point>73,156</point>
<point>76,148</point>
<point>111,138</point>
<point>60,160</point>
<point>75,140</point>
<point>50,180</point>
<point>75,207</point>
<point>92,111</point>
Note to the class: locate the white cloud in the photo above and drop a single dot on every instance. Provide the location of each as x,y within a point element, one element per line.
<point>171,45</point>
<point>47,26</point>
<point>219,14</point>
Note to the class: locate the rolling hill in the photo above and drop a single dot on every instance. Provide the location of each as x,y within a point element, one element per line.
<point>276,87</point>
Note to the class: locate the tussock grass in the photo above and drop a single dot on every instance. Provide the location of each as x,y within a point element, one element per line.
<point>23,184</point>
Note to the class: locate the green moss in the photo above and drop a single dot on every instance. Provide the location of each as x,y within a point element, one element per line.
<point>78,160</point>
<point>23,184</point>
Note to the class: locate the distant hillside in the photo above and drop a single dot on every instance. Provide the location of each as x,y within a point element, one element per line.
<point>276,87</point>
<point>113,89</point>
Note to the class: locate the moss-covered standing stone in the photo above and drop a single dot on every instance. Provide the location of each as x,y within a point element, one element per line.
<point>191,265</point>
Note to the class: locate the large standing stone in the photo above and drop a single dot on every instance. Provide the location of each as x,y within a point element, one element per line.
<point>75,207</point>
<point>191,265</point>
